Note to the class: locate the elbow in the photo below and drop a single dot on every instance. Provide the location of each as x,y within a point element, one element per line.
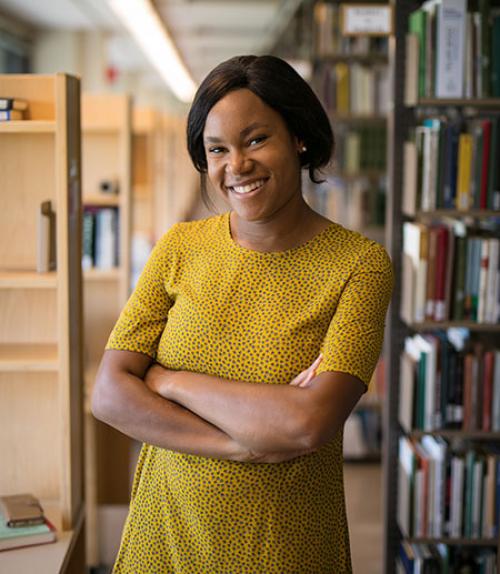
<point>101,405</point>
<point>316,432</point>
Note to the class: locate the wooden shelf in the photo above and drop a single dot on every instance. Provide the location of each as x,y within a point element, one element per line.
<point>462,102</point>
<point>100,130</point>
<point>358,118</point>
<point>28,127</point>
<point>353,58</point>
<point>454,541</point>
<point>101,200</point>
<point>102,274</point>
<point>452,433</point>
<point>27,280</point>
<point>433,325</point>
<point>454,213</point>
<point>28,357</point>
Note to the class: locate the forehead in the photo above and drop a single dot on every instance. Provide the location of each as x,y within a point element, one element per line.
<point>236,111</point>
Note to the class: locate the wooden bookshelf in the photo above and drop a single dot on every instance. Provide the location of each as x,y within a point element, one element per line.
<point>402,121</point>
<point>106,156</point>
<point>369,59</point>
<point>41,314</point>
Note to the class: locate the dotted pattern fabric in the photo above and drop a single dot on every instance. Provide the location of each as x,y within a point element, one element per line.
<point>206,304</point>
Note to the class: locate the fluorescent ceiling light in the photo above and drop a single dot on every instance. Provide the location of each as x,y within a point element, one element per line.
<point>143,22</point>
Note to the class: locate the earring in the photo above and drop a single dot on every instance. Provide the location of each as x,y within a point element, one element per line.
<point>303,148</point>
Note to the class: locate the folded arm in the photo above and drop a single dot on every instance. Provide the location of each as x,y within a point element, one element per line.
<point>122,400</point>
<point>263,416</point>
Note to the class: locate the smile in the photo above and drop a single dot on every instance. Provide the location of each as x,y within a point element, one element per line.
<point>243,189</point>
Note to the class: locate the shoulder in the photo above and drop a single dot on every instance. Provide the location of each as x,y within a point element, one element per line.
<point>355,249</point>
<point>186,235</point>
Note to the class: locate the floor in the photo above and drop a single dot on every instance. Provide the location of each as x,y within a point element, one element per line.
<point>363,488</point>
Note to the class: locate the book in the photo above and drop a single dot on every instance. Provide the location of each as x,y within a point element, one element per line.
<point>21,510</point>
<point>13,104</point>
<point>451,18</point>
<point>17,537</point>
<point>10,115</point>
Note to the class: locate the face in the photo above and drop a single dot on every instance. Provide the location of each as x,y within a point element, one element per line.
<point>253,159</point>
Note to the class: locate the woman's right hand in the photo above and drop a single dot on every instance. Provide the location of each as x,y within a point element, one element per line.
<point>304,379</point>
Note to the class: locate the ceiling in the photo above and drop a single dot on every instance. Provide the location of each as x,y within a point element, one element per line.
<point>206,32</point>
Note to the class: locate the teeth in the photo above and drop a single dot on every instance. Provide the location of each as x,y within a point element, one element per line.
<point>248,188</point>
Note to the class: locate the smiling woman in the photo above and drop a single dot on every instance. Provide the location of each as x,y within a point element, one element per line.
<point>249,339</point>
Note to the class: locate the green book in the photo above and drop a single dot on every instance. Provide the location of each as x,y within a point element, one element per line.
<point>459,279</point>
<point>417,25</point>
<point>493,176</point>
<point>19,536</point>
<point>484,9</point>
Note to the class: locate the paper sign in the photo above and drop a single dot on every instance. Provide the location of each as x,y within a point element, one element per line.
<point>366,19</point>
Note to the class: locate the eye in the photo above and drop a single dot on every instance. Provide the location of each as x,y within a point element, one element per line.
<point>257,140</point>
<point>216,150</point>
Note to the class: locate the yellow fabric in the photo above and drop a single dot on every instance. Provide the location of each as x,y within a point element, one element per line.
<point>207,305</point>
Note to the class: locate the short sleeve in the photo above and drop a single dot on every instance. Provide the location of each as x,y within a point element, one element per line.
<point>143,319</point>
<point>355,335</point>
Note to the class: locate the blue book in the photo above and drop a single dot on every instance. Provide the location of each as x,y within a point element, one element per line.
<point>19,536</point>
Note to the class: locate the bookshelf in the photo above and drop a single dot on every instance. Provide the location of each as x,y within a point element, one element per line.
<point>448,441</point>
<point>40,339</point>
<point>106,174</point>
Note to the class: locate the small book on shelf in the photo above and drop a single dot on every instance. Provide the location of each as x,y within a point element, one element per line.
<point>21,510</point>
<point>13,104</point>
<point>11,115</point>
<point>18,537</point>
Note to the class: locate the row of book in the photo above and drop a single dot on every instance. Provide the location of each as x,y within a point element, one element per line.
<point>417,558</point>
<point>328,39</point>
<point>447,381</point>
<point>443,492</point>
<point>100,243</point>
<point>352,89</point>
<point>451,164</point>
<point>12,109</point>
<point>453,50</point>
<point>361,149</point>
<point>449,272</point>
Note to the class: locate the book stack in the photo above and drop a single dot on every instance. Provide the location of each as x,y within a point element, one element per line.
<point>100,238</point>
<point>12,109</point>
<point>453,51</point>
<point>450,272</point>
<point>362,149</point>
<point>446,491</point>
<point>453,164</point>
<point>449,382</point>
<point>22,522</point>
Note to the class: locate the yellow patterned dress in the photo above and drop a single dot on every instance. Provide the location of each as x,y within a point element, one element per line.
<point>206,304</point>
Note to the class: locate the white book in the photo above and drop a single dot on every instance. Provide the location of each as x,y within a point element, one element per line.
<point>457,497</point>
<point>492,277</point>
<point>406,477</point>
<point>450,48</point>
<point>106,238</point>
<point>407,377</point>
<point>411,70</point>
<point>409,202</point>
<point>415,246</point>
<point>436,447</point>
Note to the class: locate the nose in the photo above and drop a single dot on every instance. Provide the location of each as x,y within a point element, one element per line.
<point>239,163</point>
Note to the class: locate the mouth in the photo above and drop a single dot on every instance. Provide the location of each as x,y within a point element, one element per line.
<point>248,188</point>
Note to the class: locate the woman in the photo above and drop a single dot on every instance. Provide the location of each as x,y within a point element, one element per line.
<point>246,344</point>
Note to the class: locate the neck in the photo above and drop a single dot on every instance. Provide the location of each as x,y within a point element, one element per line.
<point>293,225</point>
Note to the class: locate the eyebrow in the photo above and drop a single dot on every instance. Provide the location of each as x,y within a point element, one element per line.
<point>243,133</point>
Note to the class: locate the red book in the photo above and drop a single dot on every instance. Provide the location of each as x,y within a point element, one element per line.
<point>489,364</point>
<point>485,164</point>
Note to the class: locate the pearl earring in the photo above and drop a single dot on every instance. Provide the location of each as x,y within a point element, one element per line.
<point>303,149</point>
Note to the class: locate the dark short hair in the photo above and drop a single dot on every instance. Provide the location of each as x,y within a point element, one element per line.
<point>276,83</point>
